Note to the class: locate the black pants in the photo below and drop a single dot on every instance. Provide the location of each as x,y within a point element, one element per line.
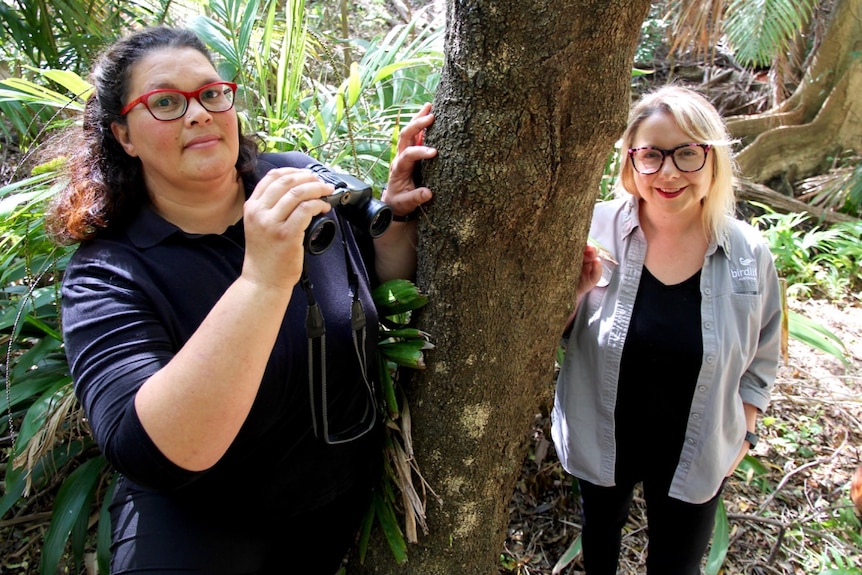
<point>679,532</point>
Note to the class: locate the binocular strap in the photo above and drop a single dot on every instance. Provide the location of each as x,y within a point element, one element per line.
<point>316,331</point>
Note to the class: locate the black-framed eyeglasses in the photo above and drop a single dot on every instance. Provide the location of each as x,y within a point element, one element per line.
<point>166,105</point>
<point>686,157</point>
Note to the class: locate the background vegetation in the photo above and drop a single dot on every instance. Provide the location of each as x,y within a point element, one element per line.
<point>336,82</point>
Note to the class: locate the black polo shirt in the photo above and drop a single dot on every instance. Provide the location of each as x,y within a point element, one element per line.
<point>130,302</point>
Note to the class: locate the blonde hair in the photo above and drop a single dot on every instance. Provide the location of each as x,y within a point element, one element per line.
<point>700,121</point>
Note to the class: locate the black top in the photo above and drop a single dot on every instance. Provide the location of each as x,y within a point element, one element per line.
<point>661,360</point>
<point>131,301</point>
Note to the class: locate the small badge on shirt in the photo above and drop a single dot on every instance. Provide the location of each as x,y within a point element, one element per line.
<point>744,276</point>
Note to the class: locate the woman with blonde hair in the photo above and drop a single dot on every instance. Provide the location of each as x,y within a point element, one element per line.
<point>673,346</point>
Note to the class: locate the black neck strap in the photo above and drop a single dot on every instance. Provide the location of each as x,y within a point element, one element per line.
<point>316,330</point>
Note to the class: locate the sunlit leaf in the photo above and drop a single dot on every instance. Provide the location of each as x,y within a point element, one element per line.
<point>572,553</point>
<point>808,331</point>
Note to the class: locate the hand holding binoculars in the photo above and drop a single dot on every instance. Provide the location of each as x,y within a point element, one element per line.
<point>354,200</point>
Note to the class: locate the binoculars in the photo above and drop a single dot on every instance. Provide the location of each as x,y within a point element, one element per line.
<point>353,199</point>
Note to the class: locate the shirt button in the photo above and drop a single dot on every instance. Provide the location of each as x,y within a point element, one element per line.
<point>695,416</point>
<point>702,388</point>
<point>710,359</point>
<point>707,325</point>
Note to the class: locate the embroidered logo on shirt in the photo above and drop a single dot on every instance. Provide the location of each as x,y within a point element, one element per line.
<point>746,273</point>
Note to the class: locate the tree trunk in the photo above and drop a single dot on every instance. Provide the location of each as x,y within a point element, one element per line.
<point>822,118</point>
<point>533,95</point>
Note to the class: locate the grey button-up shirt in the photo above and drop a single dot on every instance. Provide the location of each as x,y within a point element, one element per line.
<point>741,327</point>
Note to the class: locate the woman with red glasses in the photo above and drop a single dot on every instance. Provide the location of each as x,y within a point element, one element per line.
<point>184,319</point>
<point>673,346</point>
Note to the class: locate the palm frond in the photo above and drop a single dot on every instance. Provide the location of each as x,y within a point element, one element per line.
<point>758,31</point>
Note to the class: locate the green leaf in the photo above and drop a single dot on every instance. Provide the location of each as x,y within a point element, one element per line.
<point>398,296</point>
<point>354,85</point>
<point>19,90</point>
<point>76,85</point>
<point>758,31</point>
<point>386,71</point>
<point>71,506</point>
<point>389,524</point>
<point>751,465</point>
<point>388,389</point>
<point>408,353</point>
<point>570,555</point>
<point>216,36</point>
<point>720,541</point>
<point>404,333</point>
<point>808,331</point>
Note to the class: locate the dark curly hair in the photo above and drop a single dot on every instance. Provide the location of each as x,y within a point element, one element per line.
<point>105,186</point>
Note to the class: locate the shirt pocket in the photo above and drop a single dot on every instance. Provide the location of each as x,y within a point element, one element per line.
<point>741,314</point>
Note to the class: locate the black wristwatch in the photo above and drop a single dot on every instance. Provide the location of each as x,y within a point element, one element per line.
<point>751,438</point>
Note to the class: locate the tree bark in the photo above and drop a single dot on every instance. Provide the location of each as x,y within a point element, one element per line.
<point>532,97</point>
<point>823,116</point>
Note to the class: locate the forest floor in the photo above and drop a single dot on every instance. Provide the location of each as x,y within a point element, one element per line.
<point>792,515</point>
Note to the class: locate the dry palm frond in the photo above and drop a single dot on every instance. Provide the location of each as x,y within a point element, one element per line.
<point>835,188</point>
<point>63,418</point>
<point>695,25</point>
<point>400,453</point>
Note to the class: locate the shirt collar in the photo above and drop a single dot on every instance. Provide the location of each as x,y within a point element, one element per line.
<point>723,242</point>
<point>631,221</point>
<point>149,228</point>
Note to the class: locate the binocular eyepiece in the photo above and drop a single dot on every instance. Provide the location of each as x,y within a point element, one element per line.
<point>353,199</point>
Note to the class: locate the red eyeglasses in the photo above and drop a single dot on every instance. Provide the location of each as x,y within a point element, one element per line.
<point>166,105</point>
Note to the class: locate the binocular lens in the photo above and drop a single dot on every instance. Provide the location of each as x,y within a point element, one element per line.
<point>379,216</point>
<point>319,235</point>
